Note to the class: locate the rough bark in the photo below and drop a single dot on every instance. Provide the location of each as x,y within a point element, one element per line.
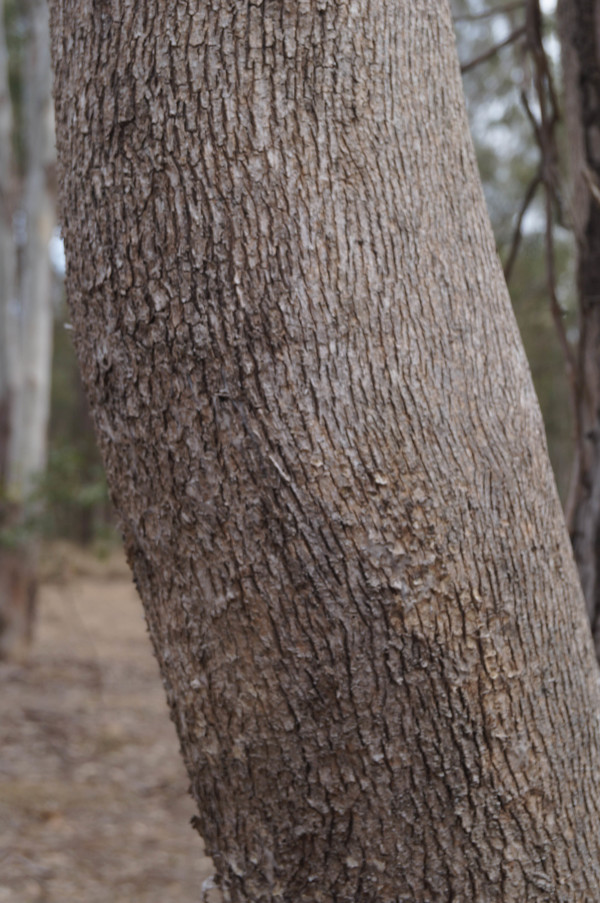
<point>579,28</point>
<point>321,435</point>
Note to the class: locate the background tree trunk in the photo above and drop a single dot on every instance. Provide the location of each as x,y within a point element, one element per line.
<point>579,29</point>
<point>26,329</point>
<point>7,255</point>
<point>320,431</point>
<point>28,436</point>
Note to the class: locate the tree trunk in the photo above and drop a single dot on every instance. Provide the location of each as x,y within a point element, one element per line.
<point>579,29</point>
<point>7,259</point>
<point>321,435</point>
<point>25,327</point>
<point>28,435</point>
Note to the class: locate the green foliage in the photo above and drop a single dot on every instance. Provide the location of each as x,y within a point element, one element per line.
<point>70,501</point>
<point>15,533</point>
<point>74,497</point>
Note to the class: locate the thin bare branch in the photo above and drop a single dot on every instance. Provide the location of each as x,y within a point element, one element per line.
<point>573,490</point>
<point>517,234</point>
<point>556,309</point>
<point>494,11</point>
<point>530,115</point>
<point>491,51</point>
<point>543,71</point>
<point>544,130</point>
<point>571,365</point>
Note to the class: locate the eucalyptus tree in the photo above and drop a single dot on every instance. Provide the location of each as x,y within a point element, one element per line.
<point>27,219</point>
<point>321,434</point>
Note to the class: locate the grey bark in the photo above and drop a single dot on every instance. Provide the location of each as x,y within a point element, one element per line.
<point>579,29</point>
<point>321,434</point>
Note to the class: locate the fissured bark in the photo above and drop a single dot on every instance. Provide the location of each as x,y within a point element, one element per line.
<point>321,434</point>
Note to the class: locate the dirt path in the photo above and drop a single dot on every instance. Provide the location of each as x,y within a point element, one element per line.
<point>93,801</point>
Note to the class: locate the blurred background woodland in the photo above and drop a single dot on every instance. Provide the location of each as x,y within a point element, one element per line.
<point>501,94</point>
<point>52,486</point>
<point>68,487</point>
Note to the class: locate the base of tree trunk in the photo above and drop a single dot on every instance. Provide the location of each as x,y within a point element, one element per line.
<point>18,592</point>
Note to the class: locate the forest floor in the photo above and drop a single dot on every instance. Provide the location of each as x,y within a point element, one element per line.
<point>93,793</point>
